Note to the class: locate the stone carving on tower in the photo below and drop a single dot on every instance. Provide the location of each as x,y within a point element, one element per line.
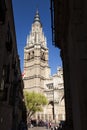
<point>36,66</point>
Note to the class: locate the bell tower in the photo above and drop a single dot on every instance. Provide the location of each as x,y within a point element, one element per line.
<point>36,66</point>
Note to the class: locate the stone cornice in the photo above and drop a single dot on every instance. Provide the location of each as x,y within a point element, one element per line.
<point>34,76</point>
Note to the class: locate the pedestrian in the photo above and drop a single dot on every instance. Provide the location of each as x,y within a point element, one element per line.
<point>47,124</point>
<point>50,124</point>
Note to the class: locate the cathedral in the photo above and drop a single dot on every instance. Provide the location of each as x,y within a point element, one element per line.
<point>37,75</point>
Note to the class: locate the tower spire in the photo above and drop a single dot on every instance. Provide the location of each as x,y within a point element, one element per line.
<point>37,17</point>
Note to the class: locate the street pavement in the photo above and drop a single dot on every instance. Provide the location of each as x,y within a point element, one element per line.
<point>44,128</point>
<point>38,128</point>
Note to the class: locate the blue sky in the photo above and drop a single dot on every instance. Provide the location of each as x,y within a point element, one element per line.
<point>24,12</point>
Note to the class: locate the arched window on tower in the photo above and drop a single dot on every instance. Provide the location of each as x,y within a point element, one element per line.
<point>32,54</point>
<point>42,56</point>
<point>28,57</point>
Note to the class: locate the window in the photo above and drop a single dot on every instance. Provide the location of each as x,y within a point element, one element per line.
<point>30,55</point>
<point>50,86</point>
<point>2,81</point>
<point>42,56</point>
<point>3,85</point>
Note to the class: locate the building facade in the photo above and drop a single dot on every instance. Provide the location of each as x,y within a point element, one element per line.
<point>37,73</point>
<point>70,35</point>
<point>12,107</point>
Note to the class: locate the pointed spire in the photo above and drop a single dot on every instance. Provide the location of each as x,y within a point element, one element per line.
<point>37,17</point>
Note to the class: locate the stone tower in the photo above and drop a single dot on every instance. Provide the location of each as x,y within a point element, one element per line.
<point>36,66</point>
